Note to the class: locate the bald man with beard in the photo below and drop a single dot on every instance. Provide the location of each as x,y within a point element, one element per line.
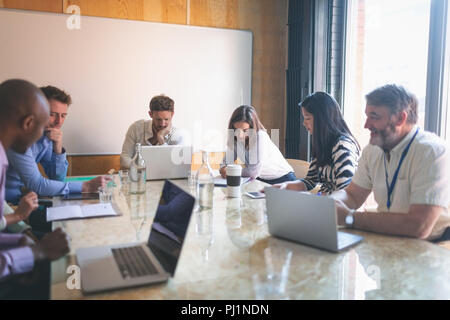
<point>24,112</point>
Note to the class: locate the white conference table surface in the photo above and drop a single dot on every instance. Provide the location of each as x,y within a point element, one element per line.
<point>224,248</point>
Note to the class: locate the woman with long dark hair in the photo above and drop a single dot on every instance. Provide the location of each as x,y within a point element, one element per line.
<point>250,145</point>
<point>335,151</point>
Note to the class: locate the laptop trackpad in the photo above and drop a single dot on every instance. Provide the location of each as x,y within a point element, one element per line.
<point>99,269</point>
<point>346,240</point>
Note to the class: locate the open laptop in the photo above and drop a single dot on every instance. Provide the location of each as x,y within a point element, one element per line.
<point>306,218</point>
<point>167,162</point>
<point>128,265</point>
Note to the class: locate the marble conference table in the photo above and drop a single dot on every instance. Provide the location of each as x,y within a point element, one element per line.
<point>225,247</point>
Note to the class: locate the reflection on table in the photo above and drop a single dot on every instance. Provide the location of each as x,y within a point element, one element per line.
<point>224,249</point>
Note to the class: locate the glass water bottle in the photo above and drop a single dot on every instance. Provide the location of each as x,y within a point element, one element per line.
<point>205,184</point>
<point>138,169</point>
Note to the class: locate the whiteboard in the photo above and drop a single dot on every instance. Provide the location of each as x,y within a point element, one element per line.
<point>112,68</point>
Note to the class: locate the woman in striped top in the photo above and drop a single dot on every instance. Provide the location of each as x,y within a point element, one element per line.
<point>335,152</point>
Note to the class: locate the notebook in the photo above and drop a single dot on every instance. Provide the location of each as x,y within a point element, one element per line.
<point>80,212</point>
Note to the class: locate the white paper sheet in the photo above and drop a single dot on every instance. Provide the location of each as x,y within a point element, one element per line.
<point>80,212</point>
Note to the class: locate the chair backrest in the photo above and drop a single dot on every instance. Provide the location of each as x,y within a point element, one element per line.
<point>300,167</point>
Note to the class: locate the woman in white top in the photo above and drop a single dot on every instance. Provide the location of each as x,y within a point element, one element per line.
<point>250,145</point>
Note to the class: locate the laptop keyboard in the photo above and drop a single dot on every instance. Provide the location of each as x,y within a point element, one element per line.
<point>133,262</point>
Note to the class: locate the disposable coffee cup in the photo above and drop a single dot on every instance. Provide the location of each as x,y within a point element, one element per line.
<point>234,181</point>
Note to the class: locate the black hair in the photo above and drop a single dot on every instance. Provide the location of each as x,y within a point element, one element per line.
<point>329,125</point>
<point>17,97</point>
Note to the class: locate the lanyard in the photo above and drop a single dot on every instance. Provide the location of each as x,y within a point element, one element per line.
<point>390,188</point>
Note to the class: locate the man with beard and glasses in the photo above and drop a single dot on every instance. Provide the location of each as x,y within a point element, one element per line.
<point>405,167</point>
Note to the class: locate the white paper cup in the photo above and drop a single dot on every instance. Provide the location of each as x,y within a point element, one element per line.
<point>234,180</point>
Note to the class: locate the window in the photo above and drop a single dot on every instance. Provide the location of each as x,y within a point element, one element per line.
<point>446,91</point>
<point>387,42</point>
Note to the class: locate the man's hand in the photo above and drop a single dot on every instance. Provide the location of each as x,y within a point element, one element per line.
<point>158,136</point>
<point>162,133</point>
<point>52,246</point>
<point>27,204</point>
<point>26,241</point>
<point>92,186</point>
<point>56,135</point>
<point>30,235</point>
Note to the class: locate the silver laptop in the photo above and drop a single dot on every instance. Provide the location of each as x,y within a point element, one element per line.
<point>306,218</point>
<point>129,265</point>
<point>167,162</point>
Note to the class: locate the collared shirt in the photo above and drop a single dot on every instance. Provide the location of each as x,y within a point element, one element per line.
<point>3,168</point>
<point>24,172</point>
<point>13,259</point>
<point>141,132</point>
<point>423,177</point>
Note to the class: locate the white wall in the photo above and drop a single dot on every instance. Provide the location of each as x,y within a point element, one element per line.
<point>112,68</point>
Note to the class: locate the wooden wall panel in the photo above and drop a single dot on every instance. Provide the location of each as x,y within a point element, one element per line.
<point>98,165</point>
<point>167,11</point>
<point>123,9</point>
<point>215,13</point>
<point>267,19</point>
<point>37,5</point>
<point>92,165</point>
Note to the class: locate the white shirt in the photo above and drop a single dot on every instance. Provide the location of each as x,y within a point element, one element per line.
<point>141,132</point>
<point>266,162</point>
<point>423,177</point>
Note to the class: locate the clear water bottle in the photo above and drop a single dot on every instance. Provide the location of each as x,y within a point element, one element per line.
<point>205,184</point>
<point>138,174</point>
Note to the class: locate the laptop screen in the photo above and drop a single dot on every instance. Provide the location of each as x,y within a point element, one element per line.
<point>170,225</point>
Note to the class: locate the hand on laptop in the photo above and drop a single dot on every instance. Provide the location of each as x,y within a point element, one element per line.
<point>92,186</point>
<point>53,246</point>
<point>292,185</point>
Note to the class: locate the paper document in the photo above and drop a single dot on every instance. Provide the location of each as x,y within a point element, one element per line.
<point>221,182</point>
<point>80,212</point>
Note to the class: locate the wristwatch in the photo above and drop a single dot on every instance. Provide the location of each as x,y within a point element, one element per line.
<point>349,219</point>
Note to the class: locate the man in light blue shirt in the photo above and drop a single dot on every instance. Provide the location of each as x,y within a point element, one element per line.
<point>23,115</point>
<point>23,171</point>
